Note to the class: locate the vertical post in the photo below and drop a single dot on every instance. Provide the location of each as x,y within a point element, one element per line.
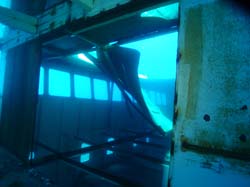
<point>20,94</point>
<point>20,98</point>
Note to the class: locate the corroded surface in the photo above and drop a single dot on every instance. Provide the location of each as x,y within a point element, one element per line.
<point>216,51</point>
<point>213,89</point>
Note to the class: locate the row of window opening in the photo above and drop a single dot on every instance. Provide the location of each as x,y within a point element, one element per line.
<point>59,84</point>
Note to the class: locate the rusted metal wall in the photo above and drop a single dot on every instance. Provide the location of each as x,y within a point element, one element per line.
<point>212,139</point>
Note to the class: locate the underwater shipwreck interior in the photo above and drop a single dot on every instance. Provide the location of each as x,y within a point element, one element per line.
<point>135,93</point>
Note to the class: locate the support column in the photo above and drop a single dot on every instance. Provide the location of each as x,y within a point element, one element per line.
<point>20,97</point>
<point>20,94</point>
<point>212,142</point>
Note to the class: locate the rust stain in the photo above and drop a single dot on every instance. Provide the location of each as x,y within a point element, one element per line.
<point>184,140</point>
<point>207,148</point>
<point>193,56</point>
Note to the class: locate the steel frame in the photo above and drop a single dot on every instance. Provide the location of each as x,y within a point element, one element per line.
<point>97,172</point>
<point>65,156</point>
<point>18,20</point>
<point>70,19</point>
<point>57,156</point>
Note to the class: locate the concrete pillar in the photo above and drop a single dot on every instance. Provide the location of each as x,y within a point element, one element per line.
<point>212,141</point>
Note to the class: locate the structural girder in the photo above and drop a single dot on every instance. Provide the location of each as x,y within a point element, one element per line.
<point>68,18</point>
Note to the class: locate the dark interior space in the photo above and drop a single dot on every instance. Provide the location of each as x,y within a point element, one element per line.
<point>88,104</point>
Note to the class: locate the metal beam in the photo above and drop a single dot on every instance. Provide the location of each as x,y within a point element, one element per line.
<point>213,151</point>
<point>144,157</point>
<point>68,17</point>
<point>135,154</point>
<point>18,20</point>
<point>142,142</point>
<point>93,171</point>
<point>54,157</point>
<point>87,4</point>
<point>154,145</point>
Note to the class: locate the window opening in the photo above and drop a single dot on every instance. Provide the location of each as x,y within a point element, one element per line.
<point>82,87</point>
<point>100,89</point>
<point>59,83</point>
<point>116,93</point>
